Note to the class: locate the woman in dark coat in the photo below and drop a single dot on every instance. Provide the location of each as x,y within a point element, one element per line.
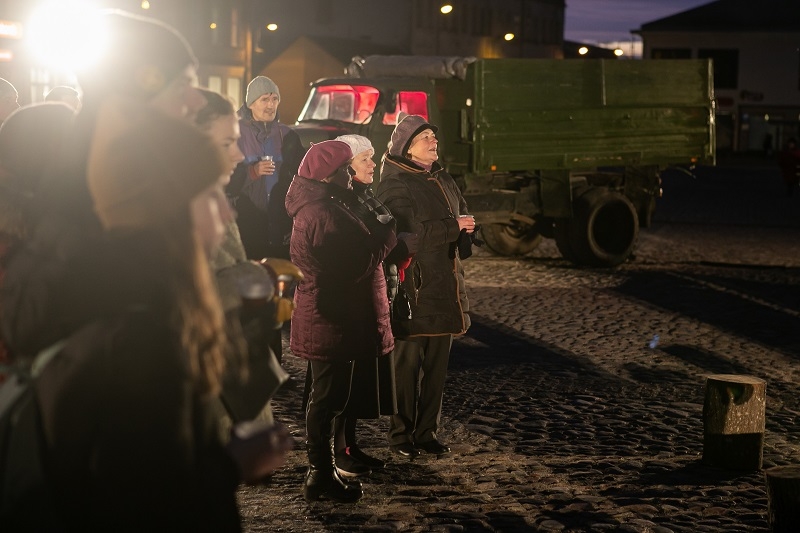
<point>425,200</point>
<point>341,308</point>
<point>372,393</point>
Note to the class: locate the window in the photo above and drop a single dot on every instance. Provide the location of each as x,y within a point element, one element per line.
<point>235,91</point>
<point>670,53</point>
<point>215,84</point>
<point>409,102</point>
<point>726,66</point>
<point>345,103</point>
<point>234,27</point>
<point>41,83</point>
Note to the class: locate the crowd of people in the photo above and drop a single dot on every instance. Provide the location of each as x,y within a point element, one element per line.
<point>139,293</point>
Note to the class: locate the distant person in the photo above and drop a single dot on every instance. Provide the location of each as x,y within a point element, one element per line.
<point>9,99</point>
<point>789,161</point>
<point>22,135</point>
<point>63,93</point>
<point>341,312</point>
<point>425,200</point>
<point>766,144</point>
<point>272,154</point>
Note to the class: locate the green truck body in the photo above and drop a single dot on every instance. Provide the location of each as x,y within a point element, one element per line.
<point>564,149</point>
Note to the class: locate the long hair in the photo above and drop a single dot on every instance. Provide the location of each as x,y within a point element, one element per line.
<point>219,106</point>
<point>197,312</point>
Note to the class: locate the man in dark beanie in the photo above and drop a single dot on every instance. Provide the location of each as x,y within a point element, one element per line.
<point>272,154</point>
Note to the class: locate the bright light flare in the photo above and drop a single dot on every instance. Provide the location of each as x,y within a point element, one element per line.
<point>272,26</point>
<point>583,50</point>
<point>618,52</point>
<point>145,4</point>
<point>67,35</point>
<point>445,9</point>
<point>508,36</point>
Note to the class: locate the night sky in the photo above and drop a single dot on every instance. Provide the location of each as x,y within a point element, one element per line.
<point>607,21</point>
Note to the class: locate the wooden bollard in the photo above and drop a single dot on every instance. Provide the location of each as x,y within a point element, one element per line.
<point>733,421</point>
<point>783,492</point>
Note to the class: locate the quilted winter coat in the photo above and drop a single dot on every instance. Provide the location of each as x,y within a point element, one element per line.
<point>341,308</point>
<point>427,203</point>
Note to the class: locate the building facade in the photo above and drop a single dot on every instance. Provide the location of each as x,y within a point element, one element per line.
<point>238,39</point>
<point>755,48</point>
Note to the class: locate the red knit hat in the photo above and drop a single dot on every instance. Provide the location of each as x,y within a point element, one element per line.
<point>323,160</point>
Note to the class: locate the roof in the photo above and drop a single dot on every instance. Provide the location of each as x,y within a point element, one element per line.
<point>345,49</point>
<point>733,16</point>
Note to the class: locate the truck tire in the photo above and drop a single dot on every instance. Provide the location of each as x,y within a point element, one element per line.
<point>510,240</point>
<point>562,233</point>
<point>603,231</point>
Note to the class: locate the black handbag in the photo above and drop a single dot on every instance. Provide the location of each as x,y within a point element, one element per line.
<point>399,304</point>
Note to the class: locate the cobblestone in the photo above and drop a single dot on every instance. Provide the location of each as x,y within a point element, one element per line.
<point>560,415</point>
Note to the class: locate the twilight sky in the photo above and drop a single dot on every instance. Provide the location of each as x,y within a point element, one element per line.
<point>607,21</point>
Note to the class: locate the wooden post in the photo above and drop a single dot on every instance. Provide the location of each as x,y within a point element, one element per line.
<point>783,492</point>
<point>733,421</point>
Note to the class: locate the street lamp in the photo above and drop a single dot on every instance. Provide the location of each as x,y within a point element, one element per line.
<point>508,36</point>
<point>446,9</point>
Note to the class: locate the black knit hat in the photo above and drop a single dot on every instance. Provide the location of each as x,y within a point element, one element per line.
<point>404,133</point>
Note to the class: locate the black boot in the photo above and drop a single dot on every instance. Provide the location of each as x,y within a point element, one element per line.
<point>326,484</point>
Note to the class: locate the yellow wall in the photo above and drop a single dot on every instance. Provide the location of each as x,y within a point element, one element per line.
<point>300,64</point>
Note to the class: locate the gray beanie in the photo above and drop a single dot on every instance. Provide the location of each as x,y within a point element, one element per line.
<point>259,86</point>
<point>404,133</point>
<point>357,143</point>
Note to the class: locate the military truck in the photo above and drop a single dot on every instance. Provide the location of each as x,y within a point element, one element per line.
<point>542,148</point>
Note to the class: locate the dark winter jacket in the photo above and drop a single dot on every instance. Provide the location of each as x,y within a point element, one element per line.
<point>341,312</point>
<point>132,445</point>
<point>428,203</point>
<point>268,193</point>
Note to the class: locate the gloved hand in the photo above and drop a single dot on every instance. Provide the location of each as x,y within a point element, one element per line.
<point>407,245</point>
<point>411,241</point>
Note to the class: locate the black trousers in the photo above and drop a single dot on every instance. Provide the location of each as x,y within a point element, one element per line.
<point>330,390</point>
<point>420,365</point>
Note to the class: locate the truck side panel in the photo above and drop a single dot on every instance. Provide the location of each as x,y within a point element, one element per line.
<point>573,114</point>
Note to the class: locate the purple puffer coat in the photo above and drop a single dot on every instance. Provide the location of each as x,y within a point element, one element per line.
<point>341,308</point>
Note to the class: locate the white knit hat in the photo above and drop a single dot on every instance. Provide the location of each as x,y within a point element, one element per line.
<point>357,143</point>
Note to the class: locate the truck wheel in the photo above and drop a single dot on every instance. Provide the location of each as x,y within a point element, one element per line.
<point>507,239</point>
<point>604,229</point>
<point>563,230</point>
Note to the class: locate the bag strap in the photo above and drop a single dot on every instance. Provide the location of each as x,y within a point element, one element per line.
<point>45,356</point>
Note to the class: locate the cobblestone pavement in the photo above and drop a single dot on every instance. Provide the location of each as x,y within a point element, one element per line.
<point>562,417</point>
